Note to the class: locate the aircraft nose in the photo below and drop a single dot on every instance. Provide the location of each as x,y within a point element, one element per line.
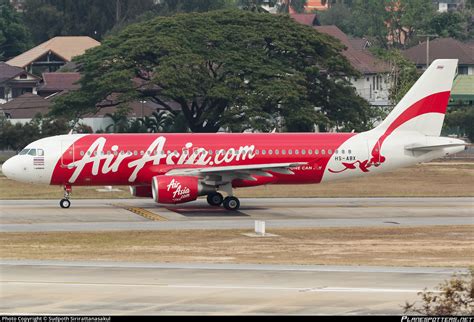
<point>8,168</point>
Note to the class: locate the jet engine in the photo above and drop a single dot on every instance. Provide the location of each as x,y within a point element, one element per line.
<point>141,191</point>
<point>178,189</point>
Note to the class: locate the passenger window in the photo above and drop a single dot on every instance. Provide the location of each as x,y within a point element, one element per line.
<point>290,151</point>
<point>303,151</point>
<point>342,151</point>
<point>32,152</point>
<point>277,151</point>
<point>349,151</point>
<point>329,151</point>
<point>323,151</point>
<point>256,152</point>
<point>264,152</point>
<point>297,151</point>
<point>310,151</point>
<point>283,151</point>
<point>336,152</point>
<point>142,152</point>
<point>316,151</point>
<point>82,153</point>
<point>210,152</point>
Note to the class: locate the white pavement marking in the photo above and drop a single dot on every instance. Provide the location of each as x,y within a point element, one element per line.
<point>230,287</point>
<point>240,267</point>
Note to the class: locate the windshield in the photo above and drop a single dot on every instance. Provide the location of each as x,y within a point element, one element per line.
<point>32,152</point>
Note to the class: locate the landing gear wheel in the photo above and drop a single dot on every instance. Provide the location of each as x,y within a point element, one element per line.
<point>65,203</point>
<point>231,203</point>
<point>215,199</point>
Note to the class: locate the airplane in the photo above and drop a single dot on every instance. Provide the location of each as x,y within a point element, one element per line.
<point>178,168</point>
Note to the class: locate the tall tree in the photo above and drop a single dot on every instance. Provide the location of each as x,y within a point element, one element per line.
<point>459,25</point>
<point>14,36</point>
<point>49,18</point>
<point>233,69</point>
<point>340,15</point>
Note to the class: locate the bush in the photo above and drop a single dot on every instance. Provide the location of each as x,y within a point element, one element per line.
<point>455,298</point>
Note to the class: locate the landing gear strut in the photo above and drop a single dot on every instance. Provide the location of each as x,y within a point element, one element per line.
<point>65,203</point>
<point>215,199</point>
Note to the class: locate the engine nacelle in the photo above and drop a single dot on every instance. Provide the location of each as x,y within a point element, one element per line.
<point>141,191</point>
<point>177,189</point>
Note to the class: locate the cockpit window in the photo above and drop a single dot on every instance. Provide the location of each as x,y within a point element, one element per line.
<point>32,152</point>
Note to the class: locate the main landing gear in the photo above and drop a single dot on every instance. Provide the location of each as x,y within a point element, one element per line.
<point>229,203</point>
<point>65,203</point>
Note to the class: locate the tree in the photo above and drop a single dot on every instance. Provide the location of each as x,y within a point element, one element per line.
<point>369,18</point>
<point>255,5</point>
<point>296,5</point>
<point>338,14</point>
<point>456,297</point>
<point>459,120</point>
<point>453,24</point>
<point>233,69</point>
<point>404,72</point>
<point>50,18</point>
<point>14,36</point>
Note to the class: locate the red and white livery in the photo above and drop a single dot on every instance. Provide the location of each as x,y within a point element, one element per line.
<point>177,168</point>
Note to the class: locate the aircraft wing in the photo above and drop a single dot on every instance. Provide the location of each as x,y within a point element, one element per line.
<point>226,174</point>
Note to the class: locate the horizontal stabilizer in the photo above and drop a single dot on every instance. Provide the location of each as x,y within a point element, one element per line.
<point>421,147</point>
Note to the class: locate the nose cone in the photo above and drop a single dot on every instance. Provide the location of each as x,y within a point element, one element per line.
<point>8,168</point>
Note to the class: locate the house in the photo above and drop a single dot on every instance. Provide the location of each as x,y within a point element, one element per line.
<point>54,83</point>
<point>15,81</point>
<point>25,107</point>
<point>309,19</point>
<point>443,48</point>
<point>449,5</point>
<point>375,80</point>
<point>52,54</point>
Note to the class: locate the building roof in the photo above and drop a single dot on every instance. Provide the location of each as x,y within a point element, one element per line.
<point>463,88</point>
<point>65,47</point>
<point>309,19</point>
<point>8,72</point>
<point>56,82</point>
<point>26,106</point>
<point>441,48</point>
<point>316,5</point>
<point>360,59</point>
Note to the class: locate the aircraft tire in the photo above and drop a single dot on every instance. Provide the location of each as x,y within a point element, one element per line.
<point>65,203</point>
<point>231,203</point>
<point>215,199</point>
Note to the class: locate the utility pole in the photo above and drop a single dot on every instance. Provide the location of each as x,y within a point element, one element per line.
<point>117,11</point>
<point>428,48</point>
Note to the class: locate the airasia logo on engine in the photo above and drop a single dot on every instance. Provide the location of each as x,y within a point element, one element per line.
<point>179,192</point>
<point>180,189</point>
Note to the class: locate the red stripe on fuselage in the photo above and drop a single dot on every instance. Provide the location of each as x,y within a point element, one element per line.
<point>136,143</point>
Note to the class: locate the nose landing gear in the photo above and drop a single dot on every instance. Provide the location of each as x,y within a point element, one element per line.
<point>65,203</point>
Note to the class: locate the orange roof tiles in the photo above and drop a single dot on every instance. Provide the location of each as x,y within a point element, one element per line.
<point>65,47</point>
